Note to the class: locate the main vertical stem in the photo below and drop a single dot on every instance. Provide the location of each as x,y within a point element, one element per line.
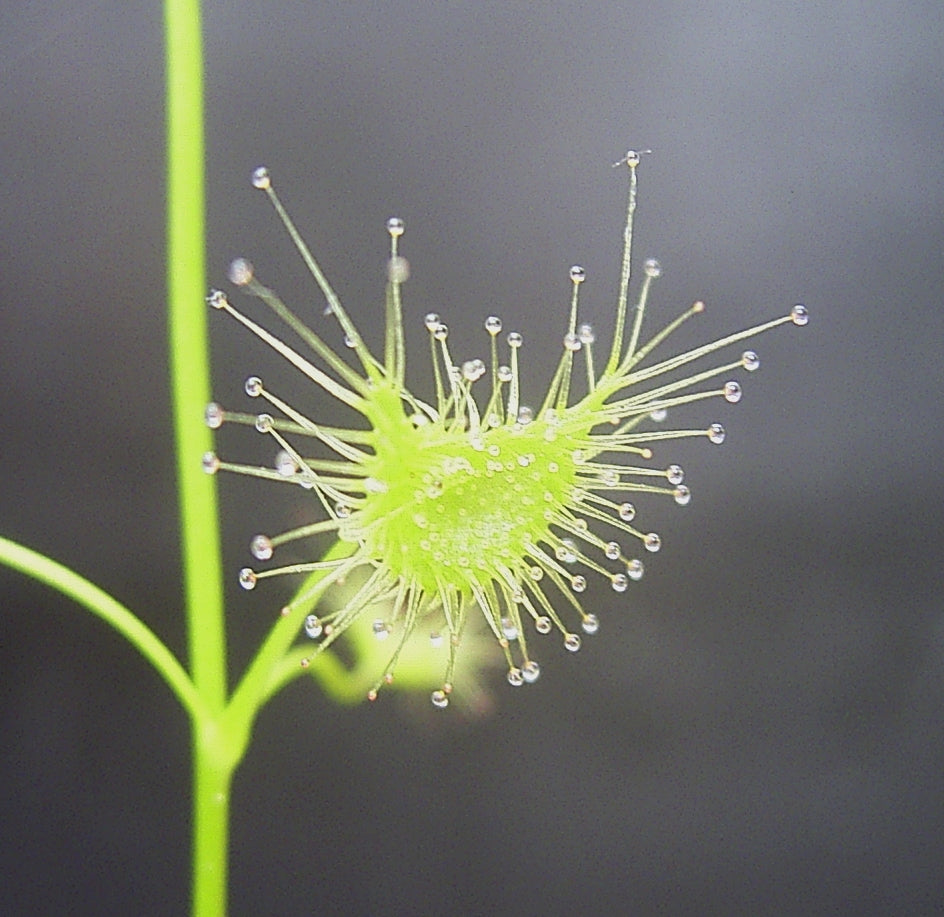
<point>190,386</point>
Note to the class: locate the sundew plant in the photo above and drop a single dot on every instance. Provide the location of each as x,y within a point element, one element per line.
<point>476,501</point>
<point>471,501</point>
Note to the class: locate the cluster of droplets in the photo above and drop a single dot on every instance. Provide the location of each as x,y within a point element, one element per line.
<point>463,440</point>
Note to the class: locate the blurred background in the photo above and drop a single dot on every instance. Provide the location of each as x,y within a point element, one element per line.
<point>757,727</point>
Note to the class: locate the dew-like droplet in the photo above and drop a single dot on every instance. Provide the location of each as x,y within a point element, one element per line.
<point>635,569</point>
<point>217,299</point>
<point>652,268</point>
<point>213,416</point>
<point>732,392</point>
<point>750,361</point>
<point>261,547</point>
<point>264,423</point>
<point>380,629</point>
<point>247,578</point>
<point>572,342</point>
<point>652,542</point>
<point>542,624</point>
<point>566,551</point>
<point>571,643</point>
<point>627,512</point>
<point>261,179</point>
<point>515,340</point>
<point>799,314</point>
<point>240,271</point>
<point>525,414</point>
<point>436,639</point>
<point>612,550</point>
<point>674,474</point>
<point>253,387</point>
<point>586,334</point>
<point>285,465</point>
<point>509,629</point>
<point>395,226</point>
<point>441,332</point>
<point>619,582</point>
<point>505,374</point>
<point>658,415</point>
<point>473,370</point>
<point>211,462</point>
<point>716,434</point>
<point>431,321</point>
<point>536,573</point>
<point>682,495</point>
<point>515,677</point>
<point>493,325</point>
<point>313,627</point>
<point>578,583</point>
<point>530,671</point>
<point>578,274</point>
<point>590,624</point>
<point>440,699</point>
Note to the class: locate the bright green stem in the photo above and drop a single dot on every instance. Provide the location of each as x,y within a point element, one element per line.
<point>214,754</point>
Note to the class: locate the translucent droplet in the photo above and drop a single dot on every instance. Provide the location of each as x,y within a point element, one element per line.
<point>543,624</point>
<point>619,582</point>
<point>515,677</point>
<point>435,638</point>
<point>349,341</point>
<point>473,370</point>
<point>211,463</point>
<point>652,542</point>
<point>586,334</point>
<point>313,627</point>
<point>799,314</point>
<point>213,416</point>
<point>440,699</point>
<point>566,551</point>
<point>716,434</point>
<point>515,340</point>
<point>505,374</point>
<point>578,583</point>
<point>509,629</point>
<point>247,578</point>
<point>253,387</point>
<point>658,415</point>
<point>610,477</point>
<point>380,629</point>
<point>536,573</point>
<point>217,299</point>
<point>395,226</point>
<point>493,325</point>
<point>264,423</point>
<point>632,158</point>
<point>285,465</point>
<point>572,643</point>
<point>441,332</point>
<point>530,671</point>
<point>682,495</point>
<point>674,474</point>
<point>627,512</point>
<point>260,178</point>
<point>578,274</point>
<point>398,269</point>
<point>652,268</point>
<point>635,570</point>
<point>261,547</point>
<point>342,510</point>
<point>732,392</point>
<point>572,342</point>
<point>240,271</point>
<point>525,414</point>
<point>590,624</point>
<point>749,360</point>
<point>431,321</point>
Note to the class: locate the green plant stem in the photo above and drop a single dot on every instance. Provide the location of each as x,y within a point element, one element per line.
<point>214,754</point>
<point>99,602</point>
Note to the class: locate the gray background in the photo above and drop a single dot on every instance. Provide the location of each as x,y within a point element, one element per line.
<point>757,727</point>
